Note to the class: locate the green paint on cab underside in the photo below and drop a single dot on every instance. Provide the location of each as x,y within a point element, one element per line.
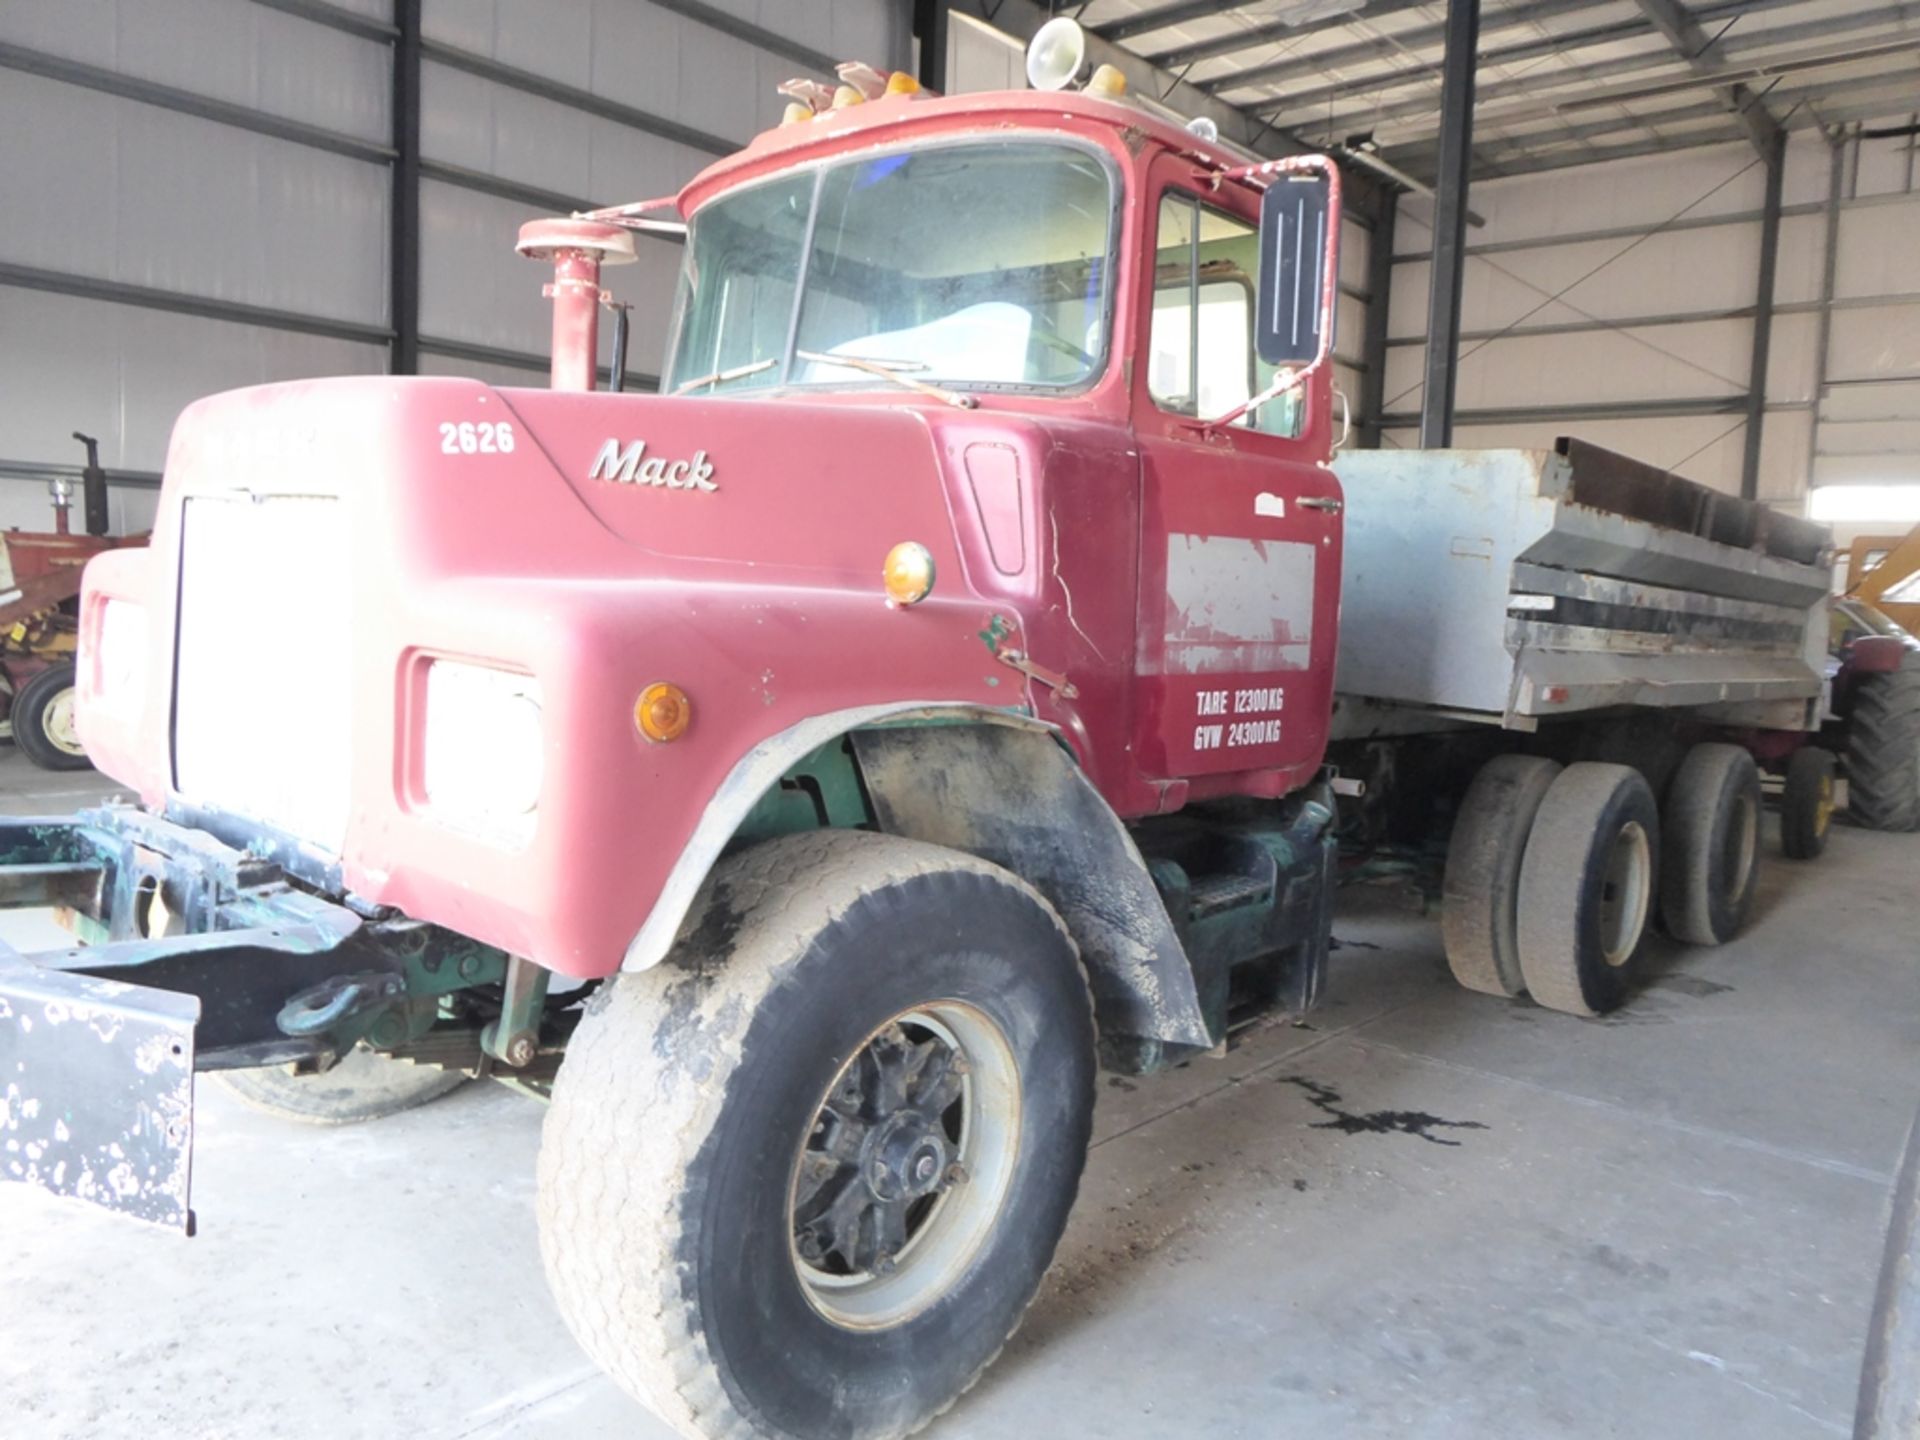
<point>819,792</point>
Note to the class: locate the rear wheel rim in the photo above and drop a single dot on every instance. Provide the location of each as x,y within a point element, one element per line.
<point>1823,805</point>
<point>1626,886</point>
<point>900,1177</point>
<point>57,724</point>
<point>1743,841</point>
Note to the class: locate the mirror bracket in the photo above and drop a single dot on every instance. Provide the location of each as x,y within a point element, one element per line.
<point>1265,175</point>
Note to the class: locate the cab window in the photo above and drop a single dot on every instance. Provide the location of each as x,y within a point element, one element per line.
<point>1200,358</point>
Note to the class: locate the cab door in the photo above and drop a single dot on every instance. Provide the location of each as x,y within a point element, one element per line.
<point>1240,524</point>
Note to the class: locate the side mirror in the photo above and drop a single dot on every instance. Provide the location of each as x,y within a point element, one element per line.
<point>1299,245</point>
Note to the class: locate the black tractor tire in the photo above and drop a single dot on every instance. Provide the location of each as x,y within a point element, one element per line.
<point>366,1085</point>
<point>1479,895</point>
<point>37,727</point>
<point>676,1158</point>
<point>1888,1407</point>
<point>1710,845</point>
<point>1883,751</point>
<point>1806,804</point>
<point>1587,888</point>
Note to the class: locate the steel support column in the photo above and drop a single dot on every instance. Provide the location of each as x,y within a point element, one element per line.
<point>403,241</point>
<point>1373,341</point>
<point>1449,224</point>
<point>1776,156</point>
<point>1829,262</point>
<point>930,21</point>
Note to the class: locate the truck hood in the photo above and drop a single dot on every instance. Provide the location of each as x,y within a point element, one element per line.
<point>817,485</point>
<point>322,547</point>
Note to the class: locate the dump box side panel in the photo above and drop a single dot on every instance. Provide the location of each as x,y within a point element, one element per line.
<point>1516,585</point>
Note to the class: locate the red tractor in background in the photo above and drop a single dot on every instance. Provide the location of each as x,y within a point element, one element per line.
<point>39,625</point>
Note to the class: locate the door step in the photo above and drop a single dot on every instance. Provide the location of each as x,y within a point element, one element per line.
<point>1212,894</point>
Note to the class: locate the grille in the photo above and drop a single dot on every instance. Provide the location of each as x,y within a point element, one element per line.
<point>262,699</point>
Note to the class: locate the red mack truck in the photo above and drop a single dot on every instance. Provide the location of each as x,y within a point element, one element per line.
<point>814,772</point>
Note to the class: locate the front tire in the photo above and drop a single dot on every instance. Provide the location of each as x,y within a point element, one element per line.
<point>42,717</point>
<point>749,1205</point>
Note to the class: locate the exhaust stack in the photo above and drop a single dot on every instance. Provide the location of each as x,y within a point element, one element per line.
<point>577,248</point>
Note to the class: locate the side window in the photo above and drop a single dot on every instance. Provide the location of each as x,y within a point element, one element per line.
<point>1200,351</point>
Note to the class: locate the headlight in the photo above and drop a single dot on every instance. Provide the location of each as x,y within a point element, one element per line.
<point>482,750</point>
<point>118,666</point>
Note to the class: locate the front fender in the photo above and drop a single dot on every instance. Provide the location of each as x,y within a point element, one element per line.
<point>751,777</point>
<point>1012,796</point>
<point>997,785</point>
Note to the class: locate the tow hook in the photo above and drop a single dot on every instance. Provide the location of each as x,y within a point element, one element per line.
<point>324,1006</point>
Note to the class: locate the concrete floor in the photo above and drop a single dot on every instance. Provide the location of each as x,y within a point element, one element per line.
<point>1423,1213</point>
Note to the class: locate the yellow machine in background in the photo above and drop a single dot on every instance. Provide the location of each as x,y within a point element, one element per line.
<point>1884,571</point>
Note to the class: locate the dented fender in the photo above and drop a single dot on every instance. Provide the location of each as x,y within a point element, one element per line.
<point>1012,796</point>
<point>751,777</point>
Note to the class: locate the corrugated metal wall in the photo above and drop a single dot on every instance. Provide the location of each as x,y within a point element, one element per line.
<point>198,192</point>
<point>199,197</point>
<point>1615,302</point>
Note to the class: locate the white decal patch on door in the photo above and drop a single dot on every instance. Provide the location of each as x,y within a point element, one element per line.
<point>1238,605</point>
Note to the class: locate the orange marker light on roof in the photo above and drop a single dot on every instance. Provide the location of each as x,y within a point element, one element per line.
<point>663,712</point>
<point>908,573</point>
<point>901,83</point>
<point>1107,82</point>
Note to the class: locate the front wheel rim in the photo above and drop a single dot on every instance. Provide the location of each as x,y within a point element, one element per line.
<point>900,1177</point>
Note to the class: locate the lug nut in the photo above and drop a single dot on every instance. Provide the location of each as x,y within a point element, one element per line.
<point>520,1050</point>
<point>957,1174</point>
<point>883,1263</point>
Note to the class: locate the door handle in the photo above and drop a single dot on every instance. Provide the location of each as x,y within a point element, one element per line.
<point>1321,502</point>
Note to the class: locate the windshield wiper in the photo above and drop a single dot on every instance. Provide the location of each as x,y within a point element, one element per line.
<point>887,372</point>
<point>738,372</point>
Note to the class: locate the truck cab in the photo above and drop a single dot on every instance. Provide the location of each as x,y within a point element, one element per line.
<point>939,663</point>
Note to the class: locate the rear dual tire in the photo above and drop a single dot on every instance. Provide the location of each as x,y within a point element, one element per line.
<point>1480,894</point>
<point>1587,888</point>
<point>721,1168</point>
<point>1550,881</point>
<point>1710,839</point>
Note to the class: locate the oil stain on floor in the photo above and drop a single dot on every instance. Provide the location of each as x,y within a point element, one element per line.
<point>1378,1122</point>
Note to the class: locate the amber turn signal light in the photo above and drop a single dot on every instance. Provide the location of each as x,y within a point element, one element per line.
<point>908,574</point>
<point>663,712</point>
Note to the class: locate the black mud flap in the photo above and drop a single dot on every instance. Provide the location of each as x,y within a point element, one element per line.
<point>96,1091</point>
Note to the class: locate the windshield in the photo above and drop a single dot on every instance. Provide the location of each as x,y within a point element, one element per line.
<point>976,264</point>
